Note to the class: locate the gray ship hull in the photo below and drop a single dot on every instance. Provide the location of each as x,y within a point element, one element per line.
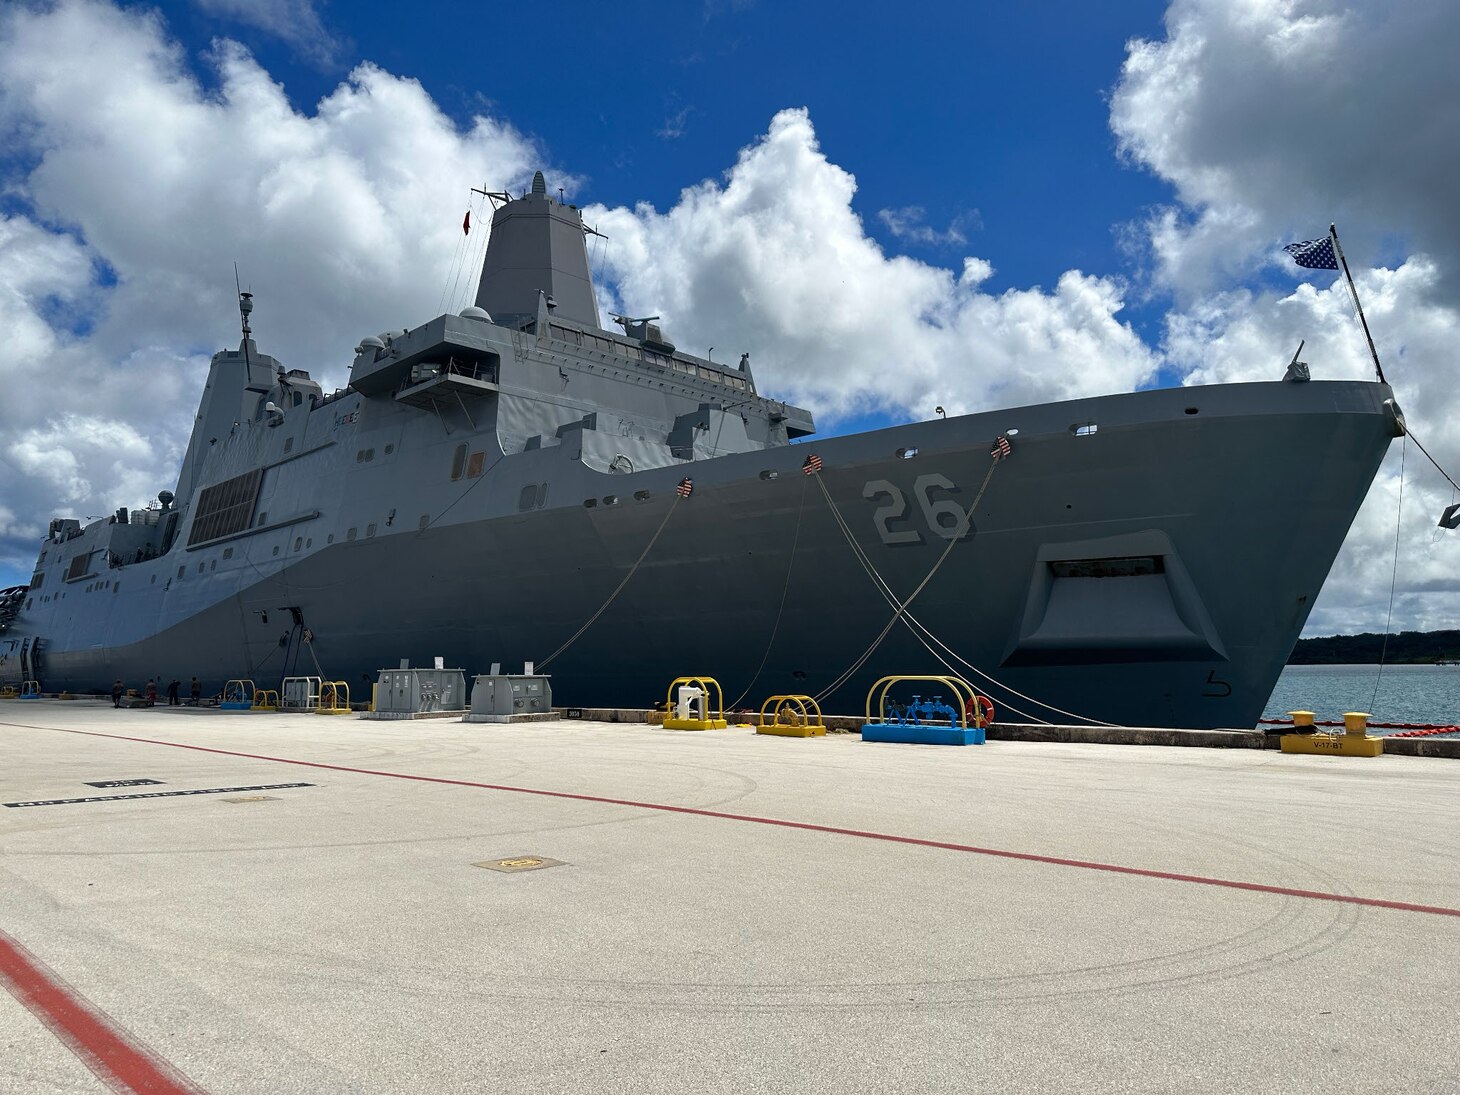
<point>1155,570</point>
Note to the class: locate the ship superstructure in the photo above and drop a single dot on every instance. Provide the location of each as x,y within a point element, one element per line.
<point>518,480</point>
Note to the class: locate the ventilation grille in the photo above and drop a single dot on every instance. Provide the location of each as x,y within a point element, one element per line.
<point>226,507</point>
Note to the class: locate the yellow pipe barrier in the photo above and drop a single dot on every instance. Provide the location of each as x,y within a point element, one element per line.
<point>334,698</point>
<point>930,722</point>
<point>795,716</point>
<point>265,699</point>
<point>238,695</point>
<point>962,692</point>
<point>707,721</point>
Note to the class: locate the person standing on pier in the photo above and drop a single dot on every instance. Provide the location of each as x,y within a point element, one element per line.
<point>172,687</point>
<point>117,692</point>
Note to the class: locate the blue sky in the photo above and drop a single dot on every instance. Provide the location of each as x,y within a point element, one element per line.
<point>992,119</point>
<point>967,205</point>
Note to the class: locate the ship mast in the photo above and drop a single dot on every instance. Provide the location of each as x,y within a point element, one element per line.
<point>245,306</point>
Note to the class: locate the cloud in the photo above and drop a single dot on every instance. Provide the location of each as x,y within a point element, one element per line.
<point>775,260</point>
<point>907,224</point>
<point>1271,118</point>
<point>131,198</point>
<point>295,22</point>
<point>136,196</point>
<point>674,125</point>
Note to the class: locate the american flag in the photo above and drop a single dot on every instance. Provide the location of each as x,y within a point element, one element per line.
<point>1314,254</point>
<point>1001,448</point>
<point>812,466</point>
<point>686,487</point>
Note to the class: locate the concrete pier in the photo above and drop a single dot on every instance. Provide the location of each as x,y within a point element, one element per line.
<point>331,905</point>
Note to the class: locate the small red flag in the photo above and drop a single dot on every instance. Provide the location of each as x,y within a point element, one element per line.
<point>466,224</point>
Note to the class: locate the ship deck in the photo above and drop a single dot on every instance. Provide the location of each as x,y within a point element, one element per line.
<point>729,912</point>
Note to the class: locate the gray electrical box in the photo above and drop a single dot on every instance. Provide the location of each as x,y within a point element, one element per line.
<point>496,697</point>
<point>410,693</point>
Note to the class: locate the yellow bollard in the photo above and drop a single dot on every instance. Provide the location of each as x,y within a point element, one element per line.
<point>1353,742</point>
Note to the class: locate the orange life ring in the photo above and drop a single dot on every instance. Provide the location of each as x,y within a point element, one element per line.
<point>980,706</point>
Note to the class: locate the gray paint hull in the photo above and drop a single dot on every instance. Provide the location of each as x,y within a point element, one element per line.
<point>1244,502</point>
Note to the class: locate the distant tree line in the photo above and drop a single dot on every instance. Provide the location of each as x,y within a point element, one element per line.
<point>1412,647</point>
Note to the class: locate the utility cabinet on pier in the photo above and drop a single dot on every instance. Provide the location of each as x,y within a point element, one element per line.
<point>408,692</point>
<point>496,697</point>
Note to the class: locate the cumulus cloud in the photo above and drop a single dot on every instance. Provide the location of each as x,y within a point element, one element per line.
<point>140,189</point>
<point>135,188</point>
<point>775,260</point>
<point>1270,118</point>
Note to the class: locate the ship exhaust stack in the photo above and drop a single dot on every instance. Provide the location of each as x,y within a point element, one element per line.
<point>536,246</point>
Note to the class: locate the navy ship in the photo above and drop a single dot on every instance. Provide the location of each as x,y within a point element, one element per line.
<point>518,483</point>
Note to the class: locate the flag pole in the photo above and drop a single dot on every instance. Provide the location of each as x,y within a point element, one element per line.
<point>1333,235</point>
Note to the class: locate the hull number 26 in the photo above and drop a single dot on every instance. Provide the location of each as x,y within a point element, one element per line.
<point>942,515</point>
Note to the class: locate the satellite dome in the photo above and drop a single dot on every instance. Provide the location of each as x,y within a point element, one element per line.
<point>471,311</point>
<point>370,342</point>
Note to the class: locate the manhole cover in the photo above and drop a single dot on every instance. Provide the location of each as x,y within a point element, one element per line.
<point>520,863</point>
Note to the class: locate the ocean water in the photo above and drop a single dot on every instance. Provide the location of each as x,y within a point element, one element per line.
<point>1406,693</point>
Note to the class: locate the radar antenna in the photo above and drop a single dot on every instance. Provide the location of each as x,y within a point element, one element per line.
<point>245,306</point>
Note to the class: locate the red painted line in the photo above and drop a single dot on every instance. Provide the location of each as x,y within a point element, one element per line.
<point>891,838</point>
<point>120,1062</point>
